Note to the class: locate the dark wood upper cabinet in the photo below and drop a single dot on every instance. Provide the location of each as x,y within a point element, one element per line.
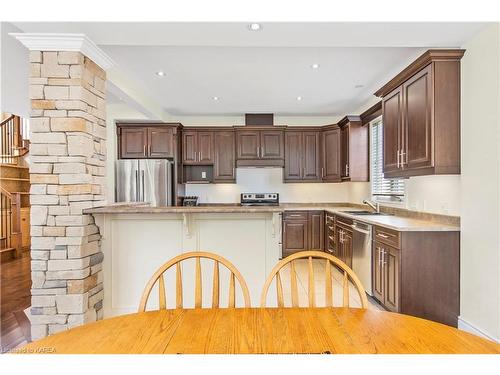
<point>417,107</point>
<point>392,106</point>
<point>311,156</point>
<point>293,156</point>
<point>302,156</point>
<point>271,144</point>
<point>259,147</point>
<point>331,155</point>
<point>224,156</point>
<point>189,147</point>
<point>160,143</point>
<point>248,144</point>
<point>197,147</point>
<point>421,110</point>
<point>133,143</point>
<point>354,149</point>
<point>143,142</point>
<point>206,147</point>
<point>344,153</point>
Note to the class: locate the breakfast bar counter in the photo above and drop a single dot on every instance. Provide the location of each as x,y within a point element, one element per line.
<point>395,222</point>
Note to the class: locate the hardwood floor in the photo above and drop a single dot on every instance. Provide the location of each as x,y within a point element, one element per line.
<point>15,296</point>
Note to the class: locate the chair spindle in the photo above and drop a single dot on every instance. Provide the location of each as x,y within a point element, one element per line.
<point>178,286</point>
<point>197,289</point>
<point>163,295</point>
<point>312,297</point>
<point>215,287</point>
<point>328,284</point>
<point>293,282</point>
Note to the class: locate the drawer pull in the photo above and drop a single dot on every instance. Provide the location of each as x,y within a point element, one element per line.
<point>331,238</point>
<point>382,235</point>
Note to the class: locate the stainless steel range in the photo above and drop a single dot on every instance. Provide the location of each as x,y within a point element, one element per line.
<point>260,199</point>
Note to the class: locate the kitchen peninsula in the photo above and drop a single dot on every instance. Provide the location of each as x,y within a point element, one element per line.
<point>138,238</point>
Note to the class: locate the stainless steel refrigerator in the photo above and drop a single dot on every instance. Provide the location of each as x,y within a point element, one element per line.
<point>144,180</point>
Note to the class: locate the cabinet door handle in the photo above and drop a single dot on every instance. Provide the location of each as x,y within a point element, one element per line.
<point>398,159</point>
<point>144,151</point>
<point>262,151</point>
<point>403,157</point>
<point>149,150</point>
<point>322,172</point>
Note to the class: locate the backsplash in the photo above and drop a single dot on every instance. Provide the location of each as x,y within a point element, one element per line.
<point>269,180</point>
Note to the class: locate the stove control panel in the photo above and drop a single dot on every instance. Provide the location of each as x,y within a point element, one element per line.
<point>260,199</point>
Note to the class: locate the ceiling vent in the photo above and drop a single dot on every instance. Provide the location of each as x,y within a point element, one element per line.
<point>259,119</point>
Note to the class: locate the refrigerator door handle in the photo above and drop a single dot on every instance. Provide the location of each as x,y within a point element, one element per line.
<point>137,186</point>
<point>143,186</point>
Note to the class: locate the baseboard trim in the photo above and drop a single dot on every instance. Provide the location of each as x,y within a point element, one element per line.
<point>464,325</point>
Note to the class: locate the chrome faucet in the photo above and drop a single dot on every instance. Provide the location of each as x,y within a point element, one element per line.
<point>375,206</point>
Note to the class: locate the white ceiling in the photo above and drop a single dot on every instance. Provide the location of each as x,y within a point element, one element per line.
<point>263,71</point>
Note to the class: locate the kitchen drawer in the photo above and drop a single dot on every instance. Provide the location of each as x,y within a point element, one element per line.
<point>295,215</point>
<point>343,221</point>
<point>387,236</point>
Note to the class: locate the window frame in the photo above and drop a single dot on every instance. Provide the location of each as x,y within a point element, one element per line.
<point>392,200</point>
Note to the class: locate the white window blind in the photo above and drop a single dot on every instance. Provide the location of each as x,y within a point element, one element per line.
<point>382,187</point>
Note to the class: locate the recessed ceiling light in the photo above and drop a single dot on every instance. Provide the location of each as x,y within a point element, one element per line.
<point>255,26</point>
<point>215,98</point>
<point>160,73</point>
<point>358,86</point>
<point>315,66</point>
<point>299,98</point>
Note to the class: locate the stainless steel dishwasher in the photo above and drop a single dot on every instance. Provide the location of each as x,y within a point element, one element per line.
<point>362,253</point>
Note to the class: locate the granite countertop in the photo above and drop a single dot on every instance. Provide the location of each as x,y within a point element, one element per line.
<point>398,223</point>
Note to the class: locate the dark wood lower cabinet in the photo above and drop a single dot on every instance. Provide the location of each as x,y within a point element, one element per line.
<point>316,230</point>
<point>343,240</point>
<point>295,236</point>
<point>417,273</point>
<point>303,230</point>
<point>385,271</point>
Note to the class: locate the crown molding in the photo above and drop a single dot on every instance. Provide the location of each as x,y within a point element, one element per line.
<point>425,59</point>
<point>65,42</point>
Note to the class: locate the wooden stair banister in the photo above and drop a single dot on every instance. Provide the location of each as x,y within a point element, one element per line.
<point>13,144</point>
<point>11,220</point>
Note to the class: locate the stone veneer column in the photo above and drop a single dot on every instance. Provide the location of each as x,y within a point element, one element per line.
<point>67,169</point>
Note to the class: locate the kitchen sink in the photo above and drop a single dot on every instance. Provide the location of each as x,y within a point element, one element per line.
<point>364,213</point>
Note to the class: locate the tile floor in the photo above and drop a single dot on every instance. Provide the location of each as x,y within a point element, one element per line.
<point>301,268</point>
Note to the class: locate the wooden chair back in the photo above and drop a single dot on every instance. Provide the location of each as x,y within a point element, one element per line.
<point>158,276</point>
<point>329,260</point>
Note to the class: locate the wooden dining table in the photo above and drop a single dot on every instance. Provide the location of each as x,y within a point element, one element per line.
<point>263,330</point>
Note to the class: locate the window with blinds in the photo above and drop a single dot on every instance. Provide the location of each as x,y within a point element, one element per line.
<point>382,188</point>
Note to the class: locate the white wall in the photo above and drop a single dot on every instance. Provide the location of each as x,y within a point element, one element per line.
<point>14,61</point>
<point>268,180</point>
<point>115,111</point>
<point>480,184</point>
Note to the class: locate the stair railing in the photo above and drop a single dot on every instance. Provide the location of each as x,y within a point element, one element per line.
<point>13,143</point>
<point>10,221</point>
